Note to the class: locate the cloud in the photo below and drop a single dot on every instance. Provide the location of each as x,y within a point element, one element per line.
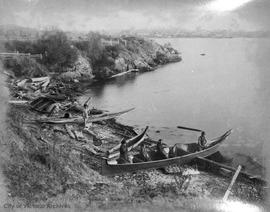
<point>226,5</point>
<point>128,14</point>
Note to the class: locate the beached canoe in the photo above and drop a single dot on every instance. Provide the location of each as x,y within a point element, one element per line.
<point>131,143</point>
<point>164,151</point>
<point>182,149</point>
<point>111,169</point>
<point>79,119</point>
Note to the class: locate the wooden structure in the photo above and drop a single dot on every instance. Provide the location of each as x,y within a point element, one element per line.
<point>110,42</point>
<point>16,54</point>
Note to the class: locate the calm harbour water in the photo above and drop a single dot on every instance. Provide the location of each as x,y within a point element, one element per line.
<point>227,88</point>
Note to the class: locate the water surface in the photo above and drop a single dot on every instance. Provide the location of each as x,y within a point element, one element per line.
<point>227,88</point>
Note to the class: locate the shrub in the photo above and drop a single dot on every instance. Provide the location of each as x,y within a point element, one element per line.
<point>25,66</point>
<point>101,57</point>
<point>57,50</point>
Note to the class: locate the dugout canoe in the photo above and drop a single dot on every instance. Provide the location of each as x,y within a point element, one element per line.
<point>131,143</point>
<point>182,149</point>
<point>112,169</point>
<point>80,119</point>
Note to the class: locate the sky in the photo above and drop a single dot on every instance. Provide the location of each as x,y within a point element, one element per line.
<point>116,15</point>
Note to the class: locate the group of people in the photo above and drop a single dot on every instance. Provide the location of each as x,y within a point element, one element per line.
<point>125,158</point>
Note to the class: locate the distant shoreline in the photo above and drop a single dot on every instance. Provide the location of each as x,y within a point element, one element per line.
<point>212,37</point>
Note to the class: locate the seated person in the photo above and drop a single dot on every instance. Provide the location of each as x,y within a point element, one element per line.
<point>202,141</point>
<point>123,158</point>
<point>144,153</point>
<point>161,147</point>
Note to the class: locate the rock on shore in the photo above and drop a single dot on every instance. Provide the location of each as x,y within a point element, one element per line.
<point>82,71</point>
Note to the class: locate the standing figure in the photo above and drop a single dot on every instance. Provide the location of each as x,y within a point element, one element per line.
<point>123,158</point>
<point>159,145</point>
<point>202,141</point>
<point>85,112</point>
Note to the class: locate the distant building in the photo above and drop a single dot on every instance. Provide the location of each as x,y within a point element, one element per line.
<point>109,42</point>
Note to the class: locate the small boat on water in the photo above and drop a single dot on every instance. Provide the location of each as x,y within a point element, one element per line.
<point>123,73</point>
<point>131,143</point>
<point>111,169</point>
<point>79,119</point>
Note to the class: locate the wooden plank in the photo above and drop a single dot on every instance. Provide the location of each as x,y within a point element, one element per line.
<point>70,133</point>
<point>90,132</point>
<point>79,135</point>
<point>232,183</point>
<point>18,102</point>
<point>12,54</point>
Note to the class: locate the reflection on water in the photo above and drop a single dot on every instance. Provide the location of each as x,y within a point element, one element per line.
<point>226,88</point>
<point>98,88</point>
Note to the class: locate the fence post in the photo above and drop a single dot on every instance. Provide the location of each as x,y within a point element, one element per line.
<point>232,182</point>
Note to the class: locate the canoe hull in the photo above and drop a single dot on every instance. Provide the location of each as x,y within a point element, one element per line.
<point>80,120</point>
<point>108,169</point>
<point>131,143</point>
<point>183,149</point>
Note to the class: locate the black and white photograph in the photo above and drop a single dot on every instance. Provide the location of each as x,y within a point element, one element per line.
<point>135,105</point>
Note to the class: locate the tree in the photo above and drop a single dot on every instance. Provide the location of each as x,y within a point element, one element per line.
<point>92,47</point>
<point>57,50</point>
<point>25,67</point>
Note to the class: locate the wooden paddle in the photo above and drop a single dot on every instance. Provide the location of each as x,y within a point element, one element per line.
<point>188,128</point>
<point>87,101</point>
<point>232,182</point>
